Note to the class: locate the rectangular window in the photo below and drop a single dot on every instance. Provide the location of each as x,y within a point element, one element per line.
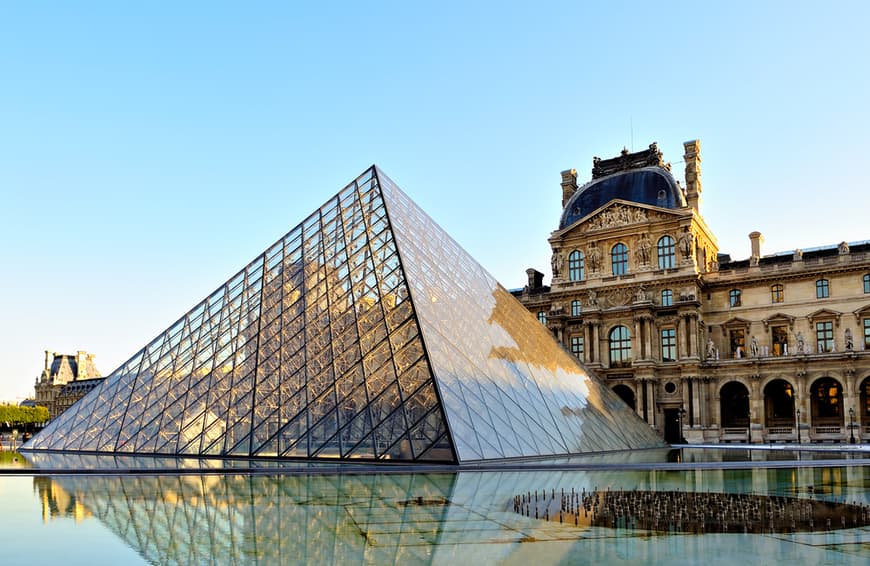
<point>822,290</point>
<point>734,297</point>
<point>667,298</point>
<point>576,308</point>
<point>779,339</point>
<point>577,347</point>
<point>776,293</point>
<point>738,343</point>
<point>542,317</point>
<point>619,259</point>
<point>867,283</point>
<point>867,333</point>
<point>669,345</point>
<point>825,336</point>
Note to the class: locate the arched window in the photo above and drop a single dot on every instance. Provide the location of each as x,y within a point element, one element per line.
<point>620,347</point>
<point>576,266</point>
<point>823,291</point>
<point>826,396</point>
<point>619,259</point>
<point>734,297</point>
<point>666,252</point>
<point>667,298</point>
<point>776,293</point>
<point>576,307</point>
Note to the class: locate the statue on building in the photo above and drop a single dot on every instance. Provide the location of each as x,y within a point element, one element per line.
<point>593,299</point>
<point>753,347</point>
<point>850,344</point>
<point>798,255</point>
<point>556,264</point>
<point>843,248</point>
<point>640,295</point>
<point>593,256</point>
<point>687,243</point>
<point>799,347</point>
<point>644,249</point>
<point>711,349</point>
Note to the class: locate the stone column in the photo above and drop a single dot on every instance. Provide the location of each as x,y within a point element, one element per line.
<point>693,335</point>
<point>648,337</point>
<point>596,350</point>
<point>681,338</point>
<point>638,340</point>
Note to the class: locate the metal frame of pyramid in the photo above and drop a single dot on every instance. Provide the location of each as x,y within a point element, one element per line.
<point>364,333</point>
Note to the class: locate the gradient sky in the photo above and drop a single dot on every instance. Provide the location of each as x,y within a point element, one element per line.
<point>149,151</point>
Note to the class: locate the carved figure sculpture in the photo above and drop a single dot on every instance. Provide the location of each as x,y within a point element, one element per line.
<point>753,347</point>
<point>687,243</point>
<point>593,256</point>
<point>644,248</point>
<point>556,264</point>
<point>850,345</point>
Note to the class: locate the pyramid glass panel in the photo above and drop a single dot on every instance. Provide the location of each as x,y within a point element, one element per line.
<point>364,333</point>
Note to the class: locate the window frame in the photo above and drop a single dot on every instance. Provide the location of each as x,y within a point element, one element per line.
<point>667,297</point>
<point>867,283</point>
<point>668,343</point>
<point>666,251</point>
<point>576,307</point>
<point>777,293</point>
<point>823,288</point>
<point>577,346</point>
<point>619,259</point>
<point>824,336</point>
<point>576,266</point>
<point>735,298</point>
<point>542,317</point>
<point>619,346</point>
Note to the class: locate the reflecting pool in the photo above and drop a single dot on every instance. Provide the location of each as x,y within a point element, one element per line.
<point>263,516</point>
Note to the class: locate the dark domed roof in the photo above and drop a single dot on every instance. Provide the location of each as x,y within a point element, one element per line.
<point>654,186</point>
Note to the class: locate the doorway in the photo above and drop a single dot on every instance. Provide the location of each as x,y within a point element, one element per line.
<point>672,426</point>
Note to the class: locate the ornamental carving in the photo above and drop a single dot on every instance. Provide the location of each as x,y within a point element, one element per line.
<point>618,215</point>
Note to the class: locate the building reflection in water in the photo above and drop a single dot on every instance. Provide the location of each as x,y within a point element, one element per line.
<point>402,518</point>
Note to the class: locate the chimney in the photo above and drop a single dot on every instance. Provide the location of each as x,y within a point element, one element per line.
<point>536,279</point>
<point>49,356</point>
<point>692,158</point>
<point>569,185</point>
<point>756,239</point>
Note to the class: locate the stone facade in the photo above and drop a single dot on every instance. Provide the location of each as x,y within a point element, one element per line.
<point>64,380</point>
<point>705,348</point>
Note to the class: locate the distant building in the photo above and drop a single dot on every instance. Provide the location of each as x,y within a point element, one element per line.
<point>703,347</point>
<point>65,379</point>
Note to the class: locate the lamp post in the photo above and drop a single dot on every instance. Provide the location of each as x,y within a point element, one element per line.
<point>797,415</point>
<point>851,425</point>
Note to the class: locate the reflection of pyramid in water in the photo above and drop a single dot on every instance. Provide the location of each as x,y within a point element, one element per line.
<point>366,332</point>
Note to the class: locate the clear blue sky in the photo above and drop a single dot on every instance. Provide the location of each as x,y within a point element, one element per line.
<point>148,151</point>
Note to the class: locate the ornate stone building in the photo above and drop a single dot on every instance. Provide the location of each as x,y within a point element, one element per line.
<point>65,379</point>
<point>703,347</point>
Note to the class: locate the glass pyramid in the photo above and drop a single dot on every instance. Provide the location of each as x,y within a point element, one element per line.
<point>364,333</point>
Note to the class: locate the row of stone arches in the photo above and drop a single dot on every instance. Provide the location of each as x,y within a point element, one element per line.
<point>826,407</point>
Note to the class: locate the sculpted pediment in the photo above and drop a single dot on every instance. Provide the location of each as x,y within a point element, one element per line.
<point>621,213</point>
